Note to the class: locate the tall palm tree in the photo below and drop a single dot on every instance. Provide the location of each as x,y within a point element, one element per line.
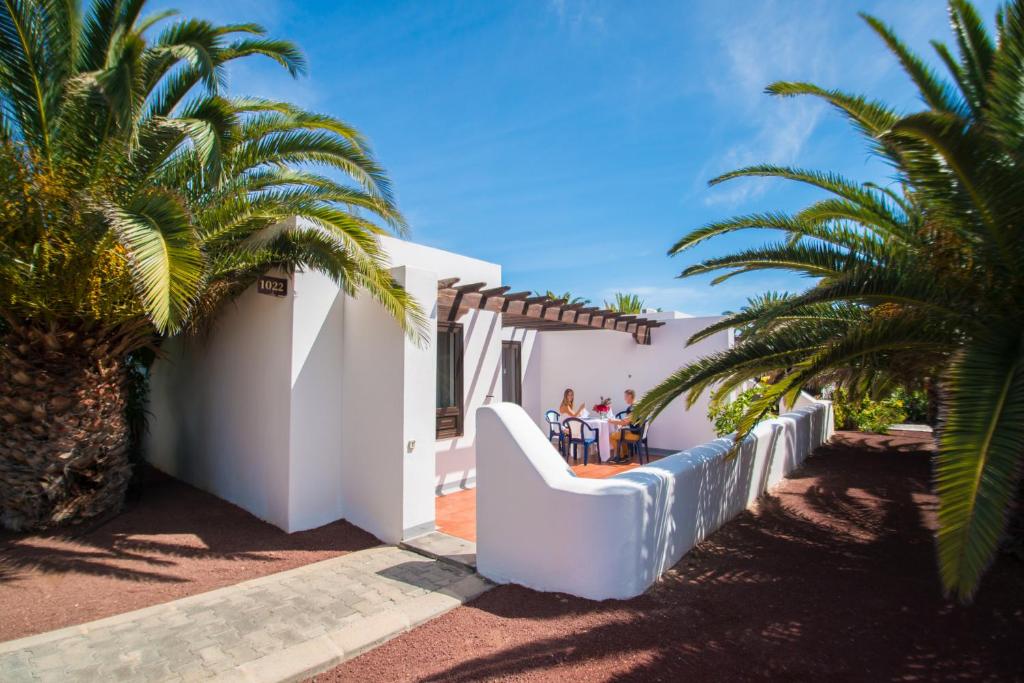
<point>137,197</point>
<point>625,303</point>
<point>924,278</point>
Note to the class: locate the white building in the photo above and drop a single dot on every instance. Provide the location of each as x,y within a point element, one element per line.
<point>313,406</point>
<point>304,406</point>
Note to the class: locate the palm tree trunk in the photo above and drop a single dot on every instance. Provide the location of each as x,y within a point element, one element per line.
<point>63,433</point>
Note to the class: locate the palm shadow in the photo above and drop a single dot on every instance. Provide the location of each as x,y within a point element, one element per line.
<point>170,523</point>
<point>831,577</point>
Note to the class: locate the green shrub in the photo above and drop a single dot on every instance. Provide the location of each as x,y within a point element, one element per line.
<point>726,415</point>
<point>843,410</point>
<point>915,404</point>
<point>866,414</point>
<point>878,416</point>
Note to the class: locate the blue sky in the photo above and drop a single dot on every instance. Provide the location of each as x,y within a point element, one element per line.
<point>571,140</point>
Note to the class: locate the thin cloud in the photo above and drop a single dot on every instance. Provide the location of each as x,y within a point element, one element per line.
<point>773,42</point>
<point>699,299</point>
<point>780,138</point>
<point>580,16</point>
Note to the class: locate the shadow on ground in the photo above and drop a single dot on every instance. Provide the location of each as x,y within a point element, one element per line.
<point>172,541</point>
<point>832,578</point>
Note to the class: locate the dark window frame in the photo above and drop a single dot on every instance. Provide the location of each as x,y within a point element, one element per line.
<point>518,379</point>
<point>450,420</point>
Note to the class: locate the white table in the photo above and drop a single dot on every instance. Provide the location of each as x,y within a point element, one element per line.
<point>604,435</point>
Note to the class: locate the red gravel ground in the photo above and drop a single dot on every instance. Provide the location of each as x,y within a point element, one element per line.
<point>833,578</point>
<point>173,541</point>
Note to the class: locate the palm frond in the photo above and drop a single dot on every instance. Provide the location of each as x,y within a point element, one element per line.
<point>906,278</point>
<point>161,246</point>
<point>979,461</point>
<point>976,49</point>
<point>936,94</point>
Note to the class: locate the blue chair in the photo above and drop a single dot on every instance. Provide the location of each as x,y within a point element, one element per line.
<point>635,446</point>
<point>555,430</point>
<point>621,415</point>
<point>579,433</point>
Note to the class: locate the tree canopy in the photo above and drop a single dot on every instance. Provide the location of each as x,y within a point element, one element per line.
<point>918,278</point>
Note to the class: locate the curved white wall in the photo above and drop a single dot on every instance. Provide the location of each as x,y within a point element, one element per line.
<point>541,526</point>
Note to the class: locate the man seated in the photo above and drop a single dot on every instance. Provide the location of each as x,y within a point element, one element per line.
<point>629,432</point>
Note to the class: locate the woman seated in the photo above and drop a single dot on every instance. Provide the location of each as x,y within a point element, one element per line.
<point>567,409</point>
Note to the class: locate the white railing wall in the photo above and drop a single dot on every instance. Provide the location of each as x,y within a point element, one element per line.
<point>540,526</point>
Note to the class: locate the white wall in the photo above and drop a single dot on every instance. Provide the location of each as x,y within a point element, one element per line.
<point>302,409</point>
<point>456,457</point>
<point>419,410</point>
<point>388,400</point>
<point>612,538</point>
<point>482,334</point>
<point>597,363</point>
<point>252,411</point>
<point>220,407</point>
<point>316,425</point>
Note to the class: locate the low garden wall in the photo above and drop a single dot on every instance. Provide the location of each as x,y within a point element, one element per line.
<point>541,526</point>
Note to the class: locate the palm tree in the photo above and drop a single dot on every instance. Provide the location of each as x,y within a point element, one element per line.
<point>625,303</point>
<point>136,198</point>
<point>567,297</point>
<point>920,279</point>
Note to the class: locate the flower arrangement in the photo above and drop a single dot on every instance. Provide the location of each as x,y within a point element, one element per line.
<point>603,407</point>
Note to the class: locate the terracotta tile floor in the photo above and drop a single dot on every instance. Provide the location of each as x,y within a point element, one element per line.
<point>456,512</point>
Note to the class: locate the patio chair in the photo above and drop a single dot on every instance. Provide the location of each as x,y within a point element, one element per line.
<point>635,446</point>
<point>579,433</point>
<point>555,429</point>
<point>621,415</point>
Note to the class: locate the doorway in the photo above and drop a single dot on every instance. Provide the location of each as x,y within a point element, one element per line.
<point>511,372</point>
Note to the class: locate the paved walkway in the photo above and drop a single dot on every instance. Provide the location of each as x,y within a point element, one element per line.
<point>281,627</point>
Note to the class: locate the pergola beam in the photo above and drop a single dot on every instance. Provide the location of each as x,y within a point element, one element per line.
<point>528,311</point>
<point>466,289</point>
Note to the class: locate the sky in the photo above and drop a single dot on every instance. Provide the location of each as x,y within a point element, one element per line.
<point>571,141</point>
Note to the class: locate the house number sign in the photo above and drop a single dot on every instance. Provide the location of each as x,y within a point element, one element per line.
<point>272,286</point>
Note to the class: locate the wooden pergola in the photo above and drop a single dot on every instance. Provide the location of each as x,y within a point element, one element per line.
<point>527,311</point>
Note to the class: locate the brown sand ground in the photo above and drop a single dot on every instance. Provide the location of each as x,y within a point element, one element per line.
<point>173,541</point>
<point>832,579</point>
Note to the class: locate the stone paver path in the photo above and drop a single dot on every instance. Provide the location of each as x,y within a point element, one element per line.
<point>280,627</point>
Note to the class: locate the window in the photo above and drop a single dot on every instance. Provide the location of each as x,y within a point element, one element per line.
<point>512,372</point>
<point>449,380</point>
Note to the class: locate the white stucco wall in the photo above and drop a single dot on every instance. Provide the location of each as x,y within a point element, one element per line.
<point>612,538</point>
<point>316,424</point>
<point>252,411</point>
<point>419,410</point>
<point>456,457</point>
<point>220,407</point>
<point>388,401</point>
<point>315,406</point>
<point>482,334</point>
<point>597,363</point>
